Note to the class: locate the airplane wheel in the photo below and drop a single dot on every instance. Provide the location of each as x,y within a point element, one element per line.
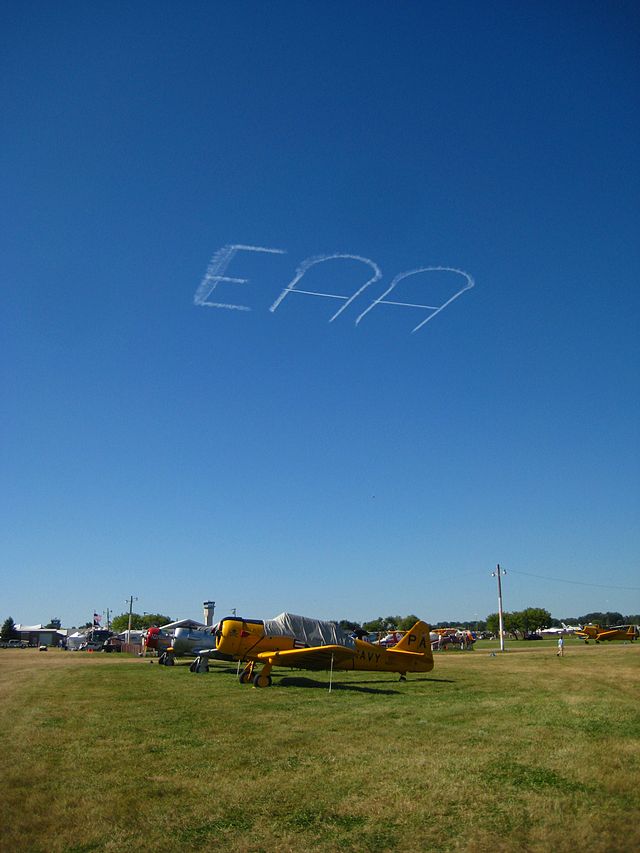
<point>244,677</point>
<point>403,678</point>
<point>261,680</point>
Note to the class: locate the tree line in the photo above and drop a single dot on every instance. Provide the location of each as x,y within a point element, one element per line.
<point>517,622</point>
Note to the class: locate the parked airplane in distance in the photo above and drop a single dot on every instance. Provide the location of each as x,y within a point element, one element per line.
<point>441,638</point>
<point>559,632</point>
<point>297,641</point>
<point>618,632</point>
<point>184,640</point>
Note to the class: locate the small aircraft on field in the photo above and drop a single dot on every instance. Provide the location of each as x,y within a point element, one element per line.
<point>297,641</point>
<point>443,637</point>
<point>559,632</point>
<point>618,632</point>
<point>185,640</point>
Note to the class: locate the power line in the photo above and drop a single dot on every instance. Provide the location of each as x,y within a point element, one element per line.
<point>577,583</point>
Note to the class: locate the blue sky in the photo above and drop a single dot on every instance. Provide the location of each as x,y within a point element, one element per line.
<point>272,460</point>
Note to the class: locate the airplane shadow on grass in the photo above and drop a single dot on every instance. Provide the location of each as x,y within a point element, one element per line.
<point>299,681</point>
<point>293,681</point>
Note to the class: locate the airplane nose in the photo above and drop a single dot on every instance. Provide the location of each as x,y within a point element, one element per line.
<point>151,638</point>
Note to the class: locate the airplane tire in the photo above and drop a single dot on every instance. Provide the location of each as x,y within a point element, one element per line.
<point>261,680</point>
<point>192,666</point>
<point>244,678</point>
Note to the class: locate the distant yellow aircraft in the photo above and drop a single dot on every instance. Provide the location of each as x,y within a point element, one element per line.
<point>597,633</point>
<point>297,641</point>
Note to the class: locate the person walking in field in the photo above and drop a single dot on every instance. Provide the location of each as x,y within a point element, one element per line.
<point>560,651</point>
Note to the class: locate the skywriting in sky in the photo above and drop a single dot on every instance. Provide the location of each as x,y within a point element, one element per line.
<point>216,276</point>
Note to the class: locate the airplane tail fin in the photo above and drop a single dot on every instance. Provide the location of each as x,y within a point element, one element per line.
<point>416,640</point>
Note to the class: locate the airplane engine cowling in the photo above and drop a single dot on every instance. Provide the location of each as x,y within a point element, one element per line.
<point>151,638</point>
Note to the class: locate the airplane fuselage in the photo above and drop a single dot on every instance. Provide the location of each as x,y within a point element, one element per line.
<point>246,640</point>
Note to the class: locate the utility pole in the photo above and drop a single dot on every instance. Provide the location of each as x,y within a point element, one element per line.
<point>130,601</point>
<point>108,621</point>
<point>498,572</point>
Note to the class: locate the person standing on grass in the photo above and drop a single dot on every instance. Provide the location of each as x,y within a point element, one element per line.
<point>560,651</point>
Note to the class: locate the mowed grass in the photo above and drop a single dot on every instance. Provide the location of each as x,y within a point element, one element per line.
<point>518,751</point>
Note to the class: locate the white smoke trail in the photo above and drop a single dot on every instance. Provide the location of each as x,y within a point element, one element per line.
<point>310,262</point>
<point>215,274</point>
<point>435,309</point>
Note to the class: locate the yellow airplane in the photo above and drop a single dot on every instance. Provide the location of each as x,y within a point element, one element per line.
<point>296,641</point>
<point>619,632</point>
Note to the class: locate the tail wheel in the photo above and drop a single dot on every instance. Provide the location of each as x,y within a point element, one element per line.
<point>261,680</point>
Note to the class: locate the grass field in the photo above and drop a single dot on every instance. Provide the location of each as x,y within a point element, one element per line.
<point>520,751</point>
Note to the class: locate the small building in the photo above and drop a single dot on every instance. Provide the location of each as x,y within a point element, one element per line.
<point>37,635</point>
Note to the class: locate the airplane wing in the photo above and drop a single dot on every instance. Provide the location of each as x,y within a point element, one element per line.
<point>316,657</point>
<point>210,653</point>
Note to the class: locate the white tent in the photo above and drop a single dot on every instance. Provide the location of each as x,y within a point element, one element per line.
<point>75,640</point>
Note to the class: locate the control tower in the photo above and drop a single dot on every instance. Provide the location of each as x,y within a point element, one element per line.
<point>209,608</point>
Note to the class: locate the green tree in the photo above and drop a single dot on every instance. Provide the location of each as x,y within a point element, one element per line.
<point>121,623</point>
<point>513,623</point>
<point>493,623</point>
<point>155,620</point>
<point>8,630</point>
<point>374,625</point>
<point>597,618</point>
<point>405,623</point>
<point>605,619</point>
<point>138,623</point>
<point>346,625</point>
<point>534,618</point>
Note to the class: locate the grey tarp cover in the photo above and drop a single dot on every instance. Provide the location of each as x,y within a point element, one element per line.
<point>312,632</point>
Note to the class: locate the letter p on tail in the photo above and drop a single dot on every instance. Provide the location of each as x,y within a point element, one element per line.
<point>416,640</point>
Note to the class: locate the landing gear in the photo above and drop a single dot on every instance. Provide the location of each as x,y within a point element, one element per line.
<point>403,676</point>
<point>259,679</point>
<point>167,658</point>
<point>200,664</point>
<point>247,673</point>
